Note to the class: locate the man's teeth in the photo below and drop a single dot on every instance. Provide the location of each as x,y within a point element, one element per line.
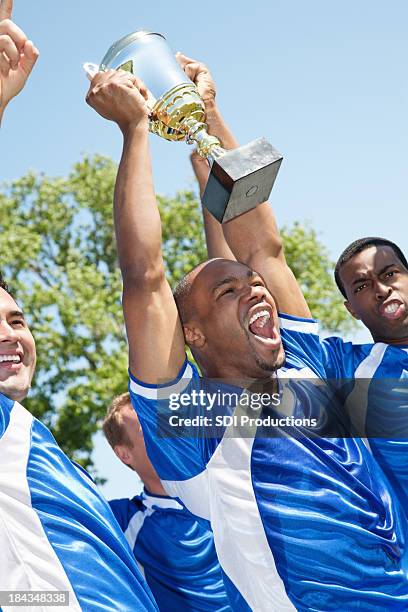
<point>13,358</point>
<point>391,308</point>
<point>265,317</point>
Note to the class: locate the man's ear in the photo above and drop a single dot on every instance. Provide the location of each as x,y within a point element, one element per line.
<point>194,336</point>
<point>351,311</point>
<point>123,453</point>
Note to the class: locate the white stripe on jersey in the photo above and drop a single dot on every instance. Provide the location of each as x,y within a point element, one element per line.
<point>136,522</point>
<point>236,518</point>
<point>303,327</point>
<point>193,492</point>
<point>154,393</point>
<point>305,372</point>
<point>27,559</point>
<point>239,535</point>
<point>160,502</point>
<point>359,395</point>
<point>135,525</point>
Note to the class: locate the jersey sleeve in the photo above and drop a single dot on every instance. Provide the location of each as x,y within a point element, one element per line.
<point>321,393</point>
<point>338,358</point>
<point>300,339</point>
<point>175,453</point>
<point>6,405</point>
<point>124,509</point>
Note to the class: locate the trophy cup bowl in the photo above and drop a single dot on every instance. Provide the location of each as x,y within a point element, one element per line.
<point>240,179</point>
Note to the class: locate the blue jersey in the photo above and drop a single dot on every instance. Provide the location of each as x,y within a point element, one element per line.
<point>302,523</point>
<point>175,552</point>
<point>374,390</point>
<point>56,531</point>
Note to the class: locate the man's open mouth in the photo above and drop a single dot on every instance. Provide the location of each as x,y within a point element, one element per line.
<point>392,309</point>
<point>10,361</point>
<point>261,325</point>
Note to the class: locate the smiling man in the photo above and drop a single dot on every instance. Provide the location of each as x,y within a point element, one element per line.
<point>300,521</point>
<point>57,533</point>
<point>59,541</point>
<point>17,348</point>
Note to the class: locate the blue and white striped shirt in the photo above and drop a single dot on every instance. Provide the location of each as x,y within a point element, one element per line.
<point>304,523</point>
<point>175,552</point>
<point>57,533</point>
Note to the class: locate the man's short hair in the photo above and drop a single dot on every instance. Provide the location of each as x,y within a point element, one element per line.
<point>183,295</point>
<point>112,425</point>
<point>357,247</point>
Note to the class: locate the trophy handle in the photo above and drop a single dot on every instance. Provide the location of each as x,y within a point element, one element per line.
<point>91,69</point>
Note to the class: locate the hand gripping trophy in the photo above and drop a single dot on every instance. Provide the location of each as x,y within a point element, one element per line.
<point>240,179</point>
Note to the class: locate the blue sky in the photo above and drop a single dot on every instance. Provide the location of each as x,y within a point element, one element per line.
<point>324,81</point>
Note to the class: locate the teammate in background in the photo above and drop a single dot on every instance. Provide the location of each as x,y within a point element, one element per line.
<point>305,522</point>
<point>57,533</point>
<point>175,551</point>
<point>372,275</point>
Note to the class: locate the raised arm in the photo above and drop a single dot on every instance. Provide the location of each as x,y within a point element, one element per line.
<point>156,342</point>
<point>253,238</point>
<point>17,56</point>
<point>214,236</point>
<point>216,244</point>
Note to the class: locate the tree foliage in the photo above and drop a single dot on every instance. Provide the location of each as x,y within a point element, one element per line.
<point>57,251</point>
<point>311,264</point>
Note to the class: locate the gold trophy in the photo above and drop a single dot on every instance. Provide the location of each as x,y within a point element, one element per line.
<point>240,179</point>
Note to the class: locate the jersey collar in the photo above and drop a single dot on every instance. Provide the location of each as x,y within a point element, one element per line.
<point>159,501</point>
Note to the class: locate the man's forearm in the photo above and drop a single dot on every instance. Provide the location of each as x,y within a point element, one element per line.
<point>250,234</point>
<point>217,126</point>
<point>254,234</point>
<point>137,220</point>
<point>253,238</point>
<point>216,243</point>
<point>214,236</point>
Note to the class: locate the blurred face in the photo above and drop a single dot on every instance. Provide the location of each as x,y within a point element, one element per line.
<point>134,453</point>
<point>235,332</point>
<point>17,350</point>
<point>376,285</point>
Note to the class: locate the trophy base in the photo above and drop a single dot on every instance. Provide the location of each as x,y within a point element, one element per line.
<point>241,179</point>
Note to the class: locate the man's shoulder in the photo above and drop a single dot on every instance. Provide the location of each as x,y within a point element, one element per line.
<point>6,406</point>
<point>347,349</point>
<point>125,508</point>
<point>300,325</point>
<point>347,346</point>
<point>130,505</point>
<point>300,340</point>
<point>164,389</point>
<point>350,359</point>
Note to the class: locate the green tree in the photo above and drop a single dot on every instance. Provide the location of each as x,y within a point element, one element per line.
<point>57,251</point>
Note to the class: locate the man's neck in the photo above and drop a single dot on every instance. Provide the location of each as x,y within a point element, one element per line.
<point>154,486</point>
<point>265,383</point>
<point>234,373</point>
<point>393,341</point>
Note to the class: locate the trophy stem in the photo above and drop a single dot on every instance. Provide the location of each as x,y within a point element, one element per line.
<point>207,146</point>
